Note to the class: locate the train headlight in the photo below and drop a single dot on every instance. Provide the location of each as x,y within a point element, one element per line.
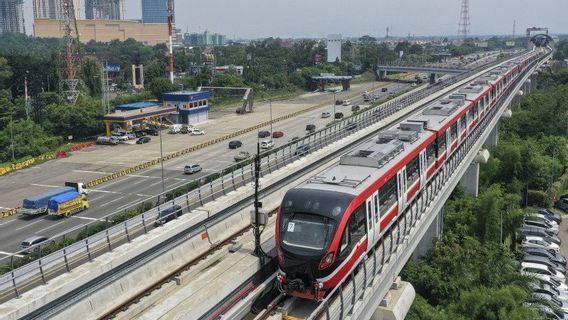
<point>327,260</point>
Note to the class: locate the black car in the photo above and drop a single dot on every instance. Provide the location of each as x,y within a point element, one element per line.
<point>338,115</point>
<point>526,231</point>
<point>549,214</point>
<point>168,214</point>
<point>545,253</point>
<point>302,150</point>
<point>235,144</point>
<point>351,126</point>
<point>355,108</point>
<point>338,102</point>
<point>142,140</point>
<point>139,133</point>
<point>263,134</point>
<point>384,89</point>
<point>310,127</point>
<point>152,132</point>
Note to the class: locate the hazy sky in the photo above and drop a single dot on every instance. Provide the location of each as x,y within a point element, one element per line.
<point>317,18</point>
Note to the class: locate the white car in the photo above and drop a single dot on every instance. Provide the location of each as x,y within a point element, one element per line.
<point>546,279</point>
<point>346,102</point>
<point>266,144</point>
<point>120,137</point>
<point>531,268</point>
<point>540,242</point>
<point>196,132</point>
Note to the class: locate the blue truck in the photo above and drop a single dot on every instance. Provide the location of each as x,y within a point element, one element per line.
<point>37,205</point>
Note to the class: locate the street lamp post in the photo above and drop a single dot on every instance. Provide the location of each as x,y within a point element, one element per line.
<point>270,102</point>
<point>161,155</point>
<point>12,136</point>
<point>334,103</point>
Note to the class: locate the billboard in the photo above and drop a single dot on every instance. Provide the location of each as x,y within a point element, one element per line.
<point>510,43</point>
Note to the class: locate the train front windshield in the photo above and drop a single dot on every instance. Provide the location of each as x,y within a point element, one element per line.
<point>306,232</point>
<point>309,218</point>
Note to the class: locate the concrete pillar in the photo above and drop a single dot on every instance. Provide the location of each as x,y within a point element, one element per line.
<point>107,129</point>
<point>493,138</point>
<point>432,78</point>
<point>470,179</point>
<point>434,231</point>
<point>397,302</point>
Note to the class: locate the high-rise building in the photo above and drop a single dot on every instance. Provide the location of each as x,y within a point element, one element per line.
<point>204,39</point>
<point>333,47</point>
<point>12,16</point>
<point>155,11</point>
<point>53,9</point>
<point>104,9</point>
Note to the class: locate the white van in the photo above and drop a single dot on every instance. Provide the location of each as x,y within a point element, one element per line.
<point>175,128</point>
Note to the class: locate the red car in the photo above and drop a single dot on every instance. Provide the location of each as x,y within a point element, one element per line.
<point>277,134</point>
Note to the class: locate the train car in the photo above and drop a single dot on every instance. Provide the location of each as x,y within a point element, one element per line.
<point>325,227</point>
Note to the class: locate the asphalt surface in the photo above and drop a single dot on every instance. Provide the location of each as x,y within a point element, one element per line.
<point>121,193</point>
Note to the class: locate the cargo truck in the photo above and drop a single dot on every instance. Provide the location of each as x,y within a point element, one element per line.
<point>67,204</point>
<point>37,205</point>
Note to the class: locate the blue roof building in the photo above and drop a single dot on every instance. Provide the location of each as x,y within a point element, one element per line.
<point>192,106</point>
<point>136,105</point>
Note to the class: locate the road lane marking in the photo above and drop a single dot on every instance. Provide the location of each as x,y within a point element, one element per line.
<point>11,254</point>
<point>85,218</point>
<point>141,176</point>
<point>96,172</point>
<point>109,202</point>
<point>44,185</point>
<point>29,224</point>
<point>8,221</point>
<point>105,191</point>
<point>127,205</point>
<point>143,195</point>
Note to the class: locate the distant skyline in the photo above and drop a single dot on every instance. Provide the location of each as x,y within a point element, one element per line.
<point>318,18</point>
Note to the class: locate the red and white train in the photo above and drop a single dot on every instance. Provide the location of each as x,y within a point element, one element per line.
<point>325,227</point>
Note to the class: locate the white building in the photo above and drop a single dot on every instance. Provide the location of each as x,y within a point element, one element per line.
<point>333,47</point>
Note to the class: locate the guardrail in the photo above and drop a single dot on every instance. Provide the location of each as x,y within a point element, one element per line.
<point>374,268</point>
<point>207,189</point>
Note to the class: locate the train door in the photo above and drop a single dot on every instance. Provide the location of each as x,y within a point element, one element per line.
<point>401,189</point>
<point>371,224</point>
<point>377,223</point>
<point>423,168</point>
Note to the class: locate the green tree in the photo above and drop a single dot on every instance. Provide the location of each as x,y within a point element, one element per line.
<point>90,74</point>
<point>158,86</point>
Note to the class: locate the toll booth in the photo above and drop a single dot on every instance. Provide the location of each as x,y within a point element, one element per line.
<point>136,116</point>
<point>191,106</point>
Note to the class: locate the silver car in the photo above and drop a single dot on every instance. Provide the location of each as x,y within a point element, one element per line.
<point>191,168</point>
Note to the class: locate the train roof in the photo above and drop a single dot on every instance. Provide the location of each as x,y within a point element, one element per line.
<point>372,160</point>
<point>381,157</point>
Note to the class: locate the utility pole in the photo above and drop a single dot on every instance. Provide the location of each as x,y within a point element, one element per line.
<point>257,204</point>
<point>161,155</point>
<point>12,135</point>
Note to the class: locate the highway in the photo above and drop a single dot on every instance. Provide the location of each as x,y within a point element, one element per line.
<point>121,193</point>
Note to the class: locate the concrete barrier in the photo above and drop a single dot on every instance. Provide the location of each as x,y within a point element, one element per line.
<point>9,212</point>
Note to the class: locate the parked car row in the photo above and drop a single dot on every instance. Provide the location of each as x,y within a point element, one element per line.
<point>543,261</point>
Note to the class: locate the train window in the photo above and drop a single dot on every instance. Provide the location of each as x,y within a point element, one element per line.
<point>376,209</point>
<point>476,109</point>
<point>441,142</point>
<point>413,170</point>
<point>454,132</point>
<point>463,123</point>
<point>486,99</point>
<point>430,154</point>
<point>344,242</point>
<point>357,224</point>
<point>387,195</point>
<point>306,231</point>
<point>470,116</point>
<point>370,214</point>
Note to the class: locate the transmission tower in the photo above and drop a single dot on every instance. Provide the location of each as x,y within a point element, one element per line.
<point>69,82</point>
<point>463,30</point>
